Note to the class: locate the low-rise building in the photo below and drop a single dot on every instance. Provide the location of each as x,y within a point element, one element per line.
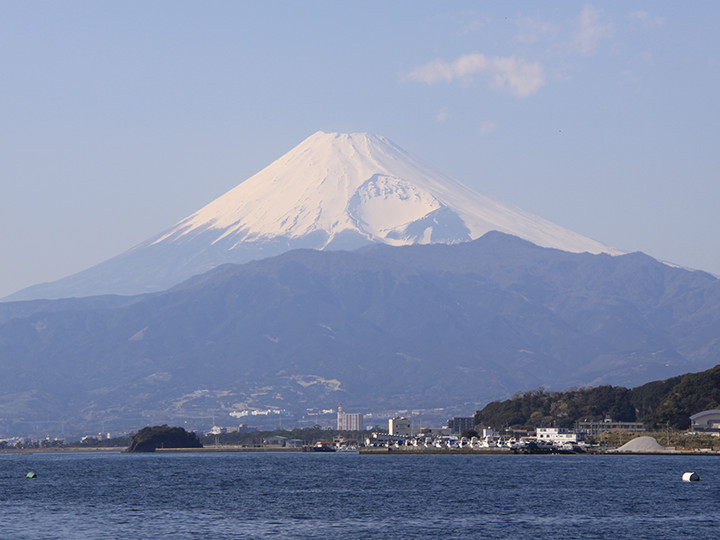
<point>593,429</point>
<point>294,443</point>
<point>706,422</point>
<point>400,425</point>
<point>383,439</point>
<point>555,435</point>
<point>276,441</point>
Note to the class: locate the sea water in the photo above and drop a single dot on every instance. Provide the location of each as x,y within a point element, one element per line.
<point>307,495</point>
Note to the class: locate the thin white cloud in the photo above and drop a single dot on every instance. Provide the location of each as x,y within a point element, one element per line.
<point>531,30</point>
<point>441,116</point>
<point>590,31</point>
<point>508,74</point>
<point>646,18</point>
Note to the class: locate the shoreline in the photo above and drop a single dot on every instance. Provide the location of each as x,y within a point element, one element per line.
<point>509,452</point>
<point>64,450</point>
<point>378,451</point>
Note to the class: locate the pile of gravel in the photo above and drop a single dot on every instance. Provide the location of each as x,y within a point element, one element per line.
<point>642,444</point>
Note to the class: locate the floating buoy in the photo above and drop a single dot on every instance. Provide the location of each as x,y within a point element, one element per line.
<point>691,477</point>
<point>31,475</point>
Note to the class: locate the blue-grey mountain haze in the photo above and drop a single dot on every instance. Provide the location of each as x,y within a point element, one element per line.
<point>381,329</point>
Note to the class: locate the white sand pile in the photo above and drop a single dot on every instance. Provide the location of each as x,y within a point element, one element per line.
<point>642,444</point>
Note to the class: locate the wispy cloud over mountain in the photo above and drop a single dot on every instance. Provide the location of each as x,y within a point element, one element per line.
<point>590,31</point>
<point>508,74</point>
<point>531,30</point>
<point>646,18</point>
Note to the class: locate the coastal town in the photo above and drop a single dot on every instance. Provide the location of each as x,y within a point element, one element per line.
<point>461,434</point>
<point>458,435</point>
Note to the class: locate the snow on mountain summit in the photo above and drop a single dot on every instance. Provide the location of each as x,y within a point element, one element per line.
<point>363,188</point>
<point>332,191</point>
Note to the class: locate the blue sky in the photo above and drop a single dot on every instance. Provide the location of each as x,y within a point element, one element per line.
<point>119,119</point>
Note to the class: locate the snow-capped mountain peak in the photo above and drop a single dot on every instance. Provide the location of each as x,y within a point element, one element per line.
<point>363,187</point>
<point>332,191</point>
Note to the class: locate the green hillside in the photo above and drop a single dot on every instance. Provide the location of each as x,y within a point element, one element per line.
<point>658,404</point>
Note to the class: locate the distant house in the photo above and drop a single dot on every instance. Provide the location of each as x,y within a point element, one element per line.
<point>276,441</point>
<point>706,422</point>
<point>382,439</point>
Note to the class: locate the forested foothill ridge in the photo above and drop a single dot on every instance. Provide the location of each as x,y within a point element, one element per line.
<point>657,404</point>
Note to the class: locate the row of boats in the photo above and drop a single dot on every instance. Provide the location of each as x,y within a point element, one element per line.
<point>449,443</point>
<point>525,446</point>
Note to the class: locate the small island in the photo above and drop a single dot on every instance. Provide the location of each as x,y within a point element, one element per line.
<point>148,439</point>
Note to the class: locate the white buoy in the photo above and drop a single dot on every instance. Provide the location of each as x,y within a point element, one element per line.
<point>691,477</point>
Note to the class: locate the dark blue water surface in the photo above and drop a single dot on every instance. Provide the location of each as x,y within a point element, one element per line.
<point>304,495</point>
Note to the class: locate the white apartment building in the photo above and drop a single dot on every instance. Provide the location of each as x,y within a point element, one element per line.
<point>555,435</point>
<point>353,422</point>
<point>349,421</point>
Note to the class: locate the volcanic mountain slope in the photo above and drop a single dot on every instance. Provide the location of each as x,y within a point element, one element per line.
<point>382,328</point>
<point>333,191</point>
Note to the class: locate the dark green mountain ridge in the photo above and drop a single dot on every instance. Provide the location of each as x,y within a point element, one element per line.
<point>657,404</point>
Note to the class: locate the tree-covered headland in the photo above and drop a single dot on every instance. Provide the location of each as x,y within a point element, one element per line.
<point>658,404</point>
<point>148,439</point>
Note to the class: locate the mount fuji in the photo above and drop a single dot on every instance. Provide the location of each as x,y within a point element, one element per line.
<point>332,191</point>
